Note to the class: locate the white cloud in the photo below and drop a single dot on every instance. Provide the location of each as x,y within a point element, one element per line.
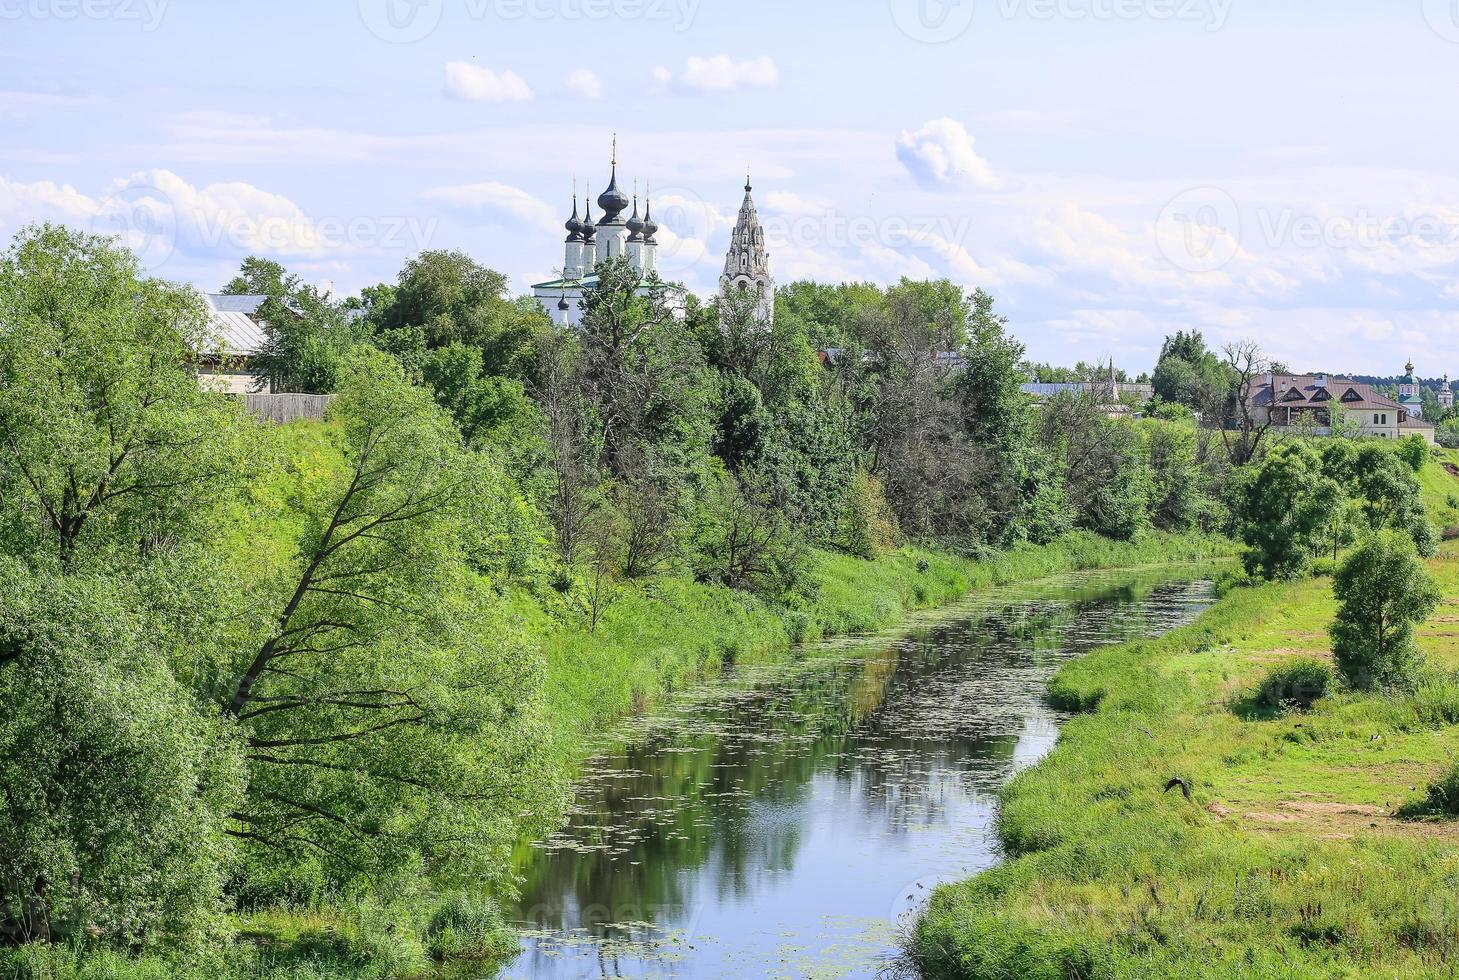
<point>721,73</point>
<point>788,202</point>
<point>42,201</point>
<point>502,200</point>
<point>941,154</point>
<point>166,220</point>
<point>477,83</point>
<point>584,83</point>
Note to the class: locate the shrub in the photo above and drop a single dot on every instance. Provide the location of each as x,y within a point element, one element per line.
<point>463,927</point>
<point>1383,590</point>
<point>869,528</point>
<point>114,789</point>
<point>1301,682</point>
<point>1441,798</point>
<point>744,543</point>
<point>1414,451</point>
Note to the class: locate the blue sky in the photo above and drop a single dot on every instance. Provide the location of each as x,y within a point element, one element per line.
<point>1111,170</point>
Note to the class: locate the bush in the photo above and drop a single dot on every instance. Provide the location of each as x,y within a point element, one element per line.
<point>114,789</point>
<point>746,544</point>
<point>869,528</point>
<point>464,927</point>
<point>1414,451</point>
<point>1441,799</point>
<point>1301,682</point>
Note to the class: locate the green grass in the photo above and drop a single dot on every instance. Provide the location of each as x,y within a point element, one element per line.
<point>1441,489</point>
<point>1292,860</point>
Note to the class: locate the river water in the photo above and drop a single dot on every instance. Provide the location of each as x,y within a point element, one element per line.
<point>787,820</point>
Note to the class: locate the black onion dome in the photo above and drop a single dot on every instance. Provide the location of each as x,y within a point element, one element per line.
<point>574,225</point>
<point>650,226</point>
<point>562,304</point>
<point>589,229</point>
<point>635,224</point>
<point>612,200</point>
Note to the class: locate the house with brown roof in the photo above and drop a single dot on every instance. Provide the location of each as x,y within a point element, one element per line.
<point>1312,402</point>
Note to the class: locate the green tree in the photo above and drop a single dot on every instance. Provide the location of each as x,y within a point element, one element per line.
<point>115,788</point>
<point>1413,450</point>
<point>108,448</point>
<point>1447,432</point>
<point>486,407</point>
<point>1390,495</point>
<point>451,298</point>
<point>744,543</point>
<point>1383,591</point>
<point>643,371</point>
<point>387,704</point>
<point>307,333</point>
<point>1284,508</point>
<point>1179,497</point>
<point>1189,374</point>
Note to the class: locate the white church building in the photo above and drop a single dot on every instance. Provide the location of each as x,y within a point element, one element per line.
<point>612,236</point>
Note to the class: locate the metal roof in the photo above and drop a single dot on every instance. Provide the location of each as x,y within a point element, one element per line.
<point>237,333</point>
<point>227,303</point>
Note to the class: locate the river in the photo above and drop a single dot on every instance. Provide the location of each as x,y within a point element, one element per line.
<point>786,820</point>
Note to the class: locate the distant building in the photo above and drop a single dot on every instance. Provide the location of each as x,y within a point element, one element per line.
<point>612,237</point>
<point>1446,394</point>
<point>1112,393</point>
<point>1410,392</point>
<point>1312,402</point>
<point>238,335</point>
<point>747,265</point>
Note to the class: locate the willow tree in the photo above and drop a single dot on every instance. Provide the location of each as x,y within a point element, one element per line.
<point>388,705</point>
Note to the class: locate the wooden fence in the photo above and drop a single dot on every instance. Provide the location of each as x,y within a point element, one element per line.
<point>287,408</point>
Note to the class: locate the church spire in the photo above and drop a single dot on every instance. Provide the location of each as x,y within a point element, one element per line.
<point>747,264</point>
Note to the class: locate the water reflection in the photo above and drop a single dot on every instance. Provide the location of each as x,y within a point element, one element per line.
<point>779,823</point>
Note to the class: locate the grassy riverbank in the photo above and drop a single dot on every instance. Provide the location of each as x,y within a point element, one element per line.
<point>1291,860</point>
<point>647,644</point>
